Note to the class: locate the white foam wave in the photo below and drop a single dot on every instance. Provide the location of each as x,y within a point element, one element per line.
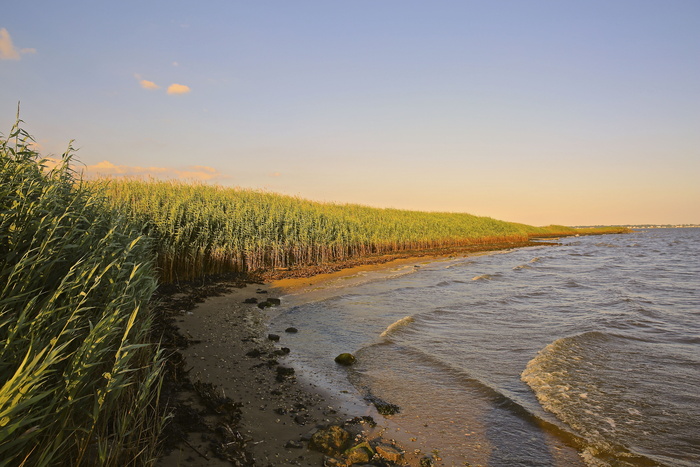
<point>392,327</point>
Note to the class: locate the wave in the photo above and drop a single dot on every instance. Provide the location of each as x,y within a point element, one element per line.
<point>588,382</point>
<point>522,266</point>
<point>486,277</point>
<point>397,324</point>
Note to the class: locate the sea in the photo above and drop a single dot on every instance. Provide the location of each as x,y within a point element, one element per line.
<point>582,353</point>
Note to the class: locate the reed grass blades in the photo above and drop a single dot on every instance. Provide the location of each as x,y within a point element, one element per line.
<point>203,229</point>
<point>79,379</point>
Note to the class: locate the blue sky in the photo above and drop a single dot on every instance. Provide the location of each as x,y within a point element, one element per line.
<point>538,112</point>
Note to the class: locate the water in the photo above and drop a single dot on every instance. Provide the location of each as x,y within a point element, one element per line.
<point>524,357</point>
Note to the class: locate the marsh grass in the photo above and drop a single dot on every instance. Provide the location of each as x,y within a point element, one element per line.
<point>79,379</point>
<point>203,229</point>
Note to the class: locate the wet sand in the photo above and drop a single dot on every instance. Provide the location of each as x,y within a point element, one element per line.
<point>229,348</point>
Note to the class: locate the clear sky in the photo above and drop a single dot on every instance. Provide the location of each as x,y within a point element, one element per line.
<point>566,112</point>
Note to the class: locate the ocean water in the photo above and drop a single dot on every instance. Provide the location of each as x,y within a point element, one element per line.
<point>584,353</point>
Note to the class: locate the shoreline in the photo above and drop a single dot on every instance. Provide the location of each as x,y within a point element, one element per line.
<point>265,414</point>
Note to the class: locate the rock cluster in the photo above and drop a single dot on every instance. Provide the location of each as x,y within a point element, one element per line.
<point>337,443</point>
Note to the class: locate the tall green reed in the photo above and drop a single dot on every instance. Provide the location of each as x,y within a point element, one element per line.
<point>200,229</point>
<point>79,378</point>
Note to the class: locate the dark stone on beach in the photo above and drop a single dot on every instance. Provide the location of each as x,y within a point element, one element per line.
<point>274,301</point>
<point>331,440</point>
<point>345,359</point>
<point>291,330</point>
<point>261,291</point>
<point>284,373</point>
<point>389,453</point>
<point>427,462</point>
<point>383,407</point>
<point>294,445</point>
<point>301,419</point>
<point>263,305</point>
<point>281,352</point>
<point>273,337</point>
<point>309,434</point>
<point>250,300</point>
<point>255,353</point>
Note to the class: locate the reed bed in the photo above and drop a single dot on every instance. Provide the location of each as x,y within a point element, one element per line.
<point>79,379</point>
<point>203,229</point>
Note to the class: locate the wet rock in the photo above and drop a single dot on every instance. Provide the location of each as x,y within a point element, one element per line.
<point>332,462</point>
<point>383,407</point>
<point>284,373</point>
<point>331,440</point>
<point>309,434</point>
<point>261,291</point>
<point>362,453</point>
<point>274,301</point>
<point>273,337</point>
<point>301,419</point>
<point>255,353</point>
<point>294,445</point>
<point>250,300</point>
<point>389,453</point>
<point>345,359</point>
<point>291,330</point>
<point>282,351</point>
<point>427,462</point>
<point>263,305</point>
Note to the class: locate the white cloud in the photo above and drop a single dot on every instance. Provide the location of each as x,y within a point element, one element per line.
<point>178,89</point>
<point>148,84</point>
<point>194,172</point>
<point>7,48</point>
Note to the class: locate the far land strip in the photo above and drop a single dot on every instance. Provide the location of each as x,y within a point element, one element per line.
<point>236,402</point>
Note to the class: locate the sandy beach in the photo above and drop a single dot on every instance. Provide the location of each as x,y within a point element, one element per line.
<point>266,415</point>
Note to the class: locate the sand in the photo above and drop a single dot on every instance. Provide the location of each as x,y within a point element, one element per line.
<point>230,353</point>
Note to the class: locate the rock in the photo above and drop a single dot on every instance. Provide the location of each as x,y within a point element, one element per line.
<point>291,330</point>
<point>261,291</point>
<point>273,337</point>
<point>274,301</point>
<point>301,419</point>
<point>383,407</point>
<point>331,440</point>
<point>284,373</point>
<point>309,434</point>
<point>389,453</point>
<point>250,300</point>
<point>345,359</point>
<point>294,445</point>
<point>263,305</point>
<point>332,462</point>
<point>427,462</point>
<point>362,453</point>
<point>255,353</point>
<point>282,351</point>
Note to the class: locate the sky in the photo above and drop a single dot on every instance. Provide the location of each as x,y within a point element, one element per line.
<point>540,111</point>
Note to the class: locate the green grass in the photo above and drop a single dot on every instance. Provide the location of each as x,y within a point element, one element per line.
<point>203,229</point>
<point>79,379</point>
